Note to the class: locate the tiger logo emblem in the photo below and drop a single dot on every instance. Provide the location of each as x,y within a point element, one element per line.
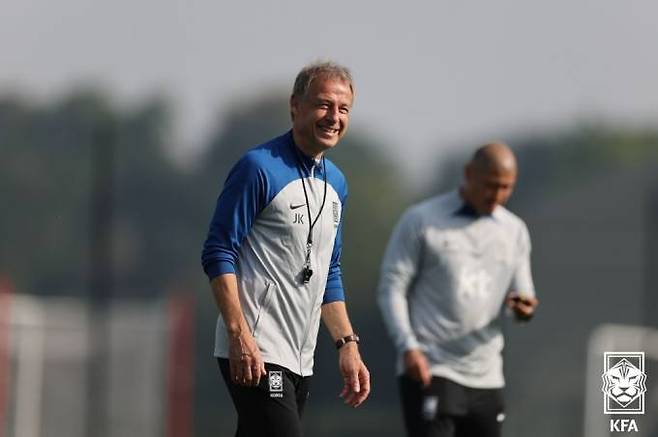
<point>624,383</point>
<point>276,380</point>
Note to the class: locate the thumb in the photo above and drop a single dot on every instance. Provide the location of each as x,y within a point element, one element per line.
<point>425,375</point>
<point>427,379</point>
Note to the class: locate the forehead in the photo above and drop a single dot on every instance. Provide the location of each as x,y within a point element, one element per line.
<point>330,87</point>
<point>507,175</point>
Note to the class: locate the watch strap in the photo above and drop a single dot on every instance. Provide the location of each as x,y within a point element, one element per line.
<point>341,341</point>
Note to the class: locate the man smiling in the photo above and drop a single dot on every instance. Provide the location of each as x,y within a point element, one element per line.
<point>273,259</point>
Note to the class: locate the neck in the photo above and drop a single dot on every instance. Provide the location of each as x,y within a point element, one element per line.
<point>463,193</point>
<point>307,150</point>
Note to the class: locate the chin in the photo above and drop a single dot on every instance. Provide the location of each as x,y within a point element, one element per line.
<point>326,143</point>
<point>488,210</point>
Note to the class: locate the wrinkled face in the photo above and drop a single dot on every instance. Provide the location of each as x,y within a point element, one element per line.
<point>489,189</point>
<point>321,117</point>
<point>624,382</point>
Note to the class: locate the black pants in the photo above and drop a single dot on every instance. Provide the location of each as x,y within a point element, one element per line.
<point>272,409</point>
<point>447,409</point>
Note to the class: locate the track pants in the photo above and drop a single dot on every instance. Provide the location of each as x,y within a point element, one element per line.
<point>272,409</point>
<point>447,409</point>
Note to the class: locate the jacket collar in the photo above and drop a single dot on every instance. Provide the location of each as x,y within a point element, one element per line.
<point>306,161</point>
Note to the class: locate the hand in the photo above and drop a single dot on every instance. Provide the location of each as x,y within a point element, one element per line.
<point>245,361</point>
<point>355,374</point>
<point>416,366</point>
<point>523,306</point>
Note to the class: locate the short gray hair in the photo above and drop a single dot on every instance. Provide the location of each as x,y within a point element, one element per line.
<point>325,69</point>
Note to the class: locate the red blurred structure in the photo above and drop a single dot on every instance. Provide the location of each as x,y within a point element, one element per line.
<point>180,373</point>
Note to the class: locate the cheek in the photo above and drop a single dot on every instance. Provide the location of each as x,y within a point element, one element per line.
<point>309,120</point>
<point>487,193</point>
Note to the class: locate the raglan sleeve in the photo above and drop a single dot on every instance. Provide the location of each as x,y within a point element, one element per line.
<point>334,290</point>
<point>398,270</point>
<point>243,197</point>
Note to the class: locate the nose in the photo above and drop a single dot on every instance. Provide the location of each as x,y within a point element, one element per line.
<point>499,195</point>
<point>332,114</point>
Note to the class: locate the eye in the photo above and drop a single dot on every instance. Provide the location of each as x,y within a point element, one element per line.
<point>344,110</point>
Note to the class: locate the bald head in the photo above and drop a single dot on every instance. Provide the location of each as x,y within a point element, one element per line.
<point>490,176</point>
<point>494,157</point>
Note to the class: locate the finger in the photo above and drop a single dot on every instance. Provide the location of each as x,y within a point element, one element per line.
<point>525,308</point>
<point>424,375</point>
<point>354,388</point>
<point>527,300</point>
<point>259,370</point>
<point>365,389</point>
<point>236,374</point>
<point>345,391</point>
<point>246,376</point>
<point>426,378</point>
<point>255,375</point>
<point>360,398</point>
<point>350,399</point>
<point>354,383</point>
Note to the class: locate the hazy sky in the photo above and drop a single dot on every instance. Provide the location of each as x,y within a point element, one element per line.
<point>429,75</point>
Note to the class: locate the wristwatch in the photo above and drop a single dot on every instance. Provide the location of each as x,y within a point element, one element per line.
<point>341,341</point>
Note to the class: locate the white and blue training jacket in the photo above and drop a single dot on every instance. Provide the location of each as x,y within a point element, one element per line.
<point>259,231</point>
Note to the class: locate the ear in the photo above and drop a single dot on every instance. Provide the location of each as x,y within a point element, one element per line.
<point>294,101</point>
<point>468,171</point>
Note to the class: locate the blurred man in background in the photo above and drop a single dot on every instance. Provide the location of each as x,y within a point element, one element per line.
<point>273,259</point>
<point>451,264</point>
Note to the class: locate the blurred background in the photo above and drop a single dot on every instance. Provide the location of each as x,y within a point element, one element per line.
<point>118,124</point>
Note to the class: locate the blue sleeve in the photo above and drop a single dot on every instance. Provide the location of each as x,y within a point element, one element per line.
<point>334,290</point>
<point>244,196</point>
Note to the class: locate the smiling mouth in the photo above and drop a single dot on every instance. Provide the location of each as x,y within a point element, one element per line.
<point>328,130</point>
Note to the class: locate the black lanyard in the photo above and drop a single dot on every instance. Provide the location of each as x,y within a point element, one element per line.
<point>307,272</point>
